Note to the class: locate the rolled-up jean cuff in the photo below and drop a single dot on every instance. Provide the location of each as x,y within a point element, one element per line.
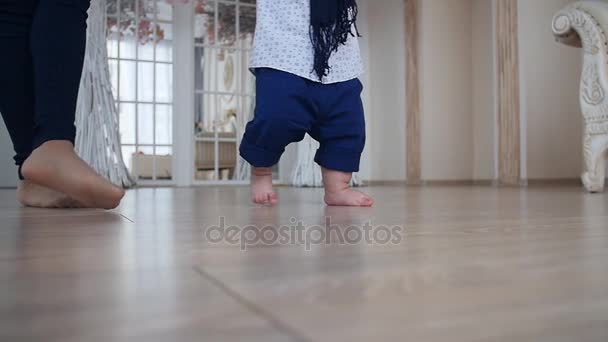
<point>259,157</point>
<point>344,161</point>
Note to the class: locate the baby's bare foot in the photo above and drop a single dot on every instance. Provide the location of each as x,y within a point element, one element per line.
<point>37,196</point>
<point>261,186</point>
<point>339,193</point>
<point>55,165</point>
<point>348,198</point>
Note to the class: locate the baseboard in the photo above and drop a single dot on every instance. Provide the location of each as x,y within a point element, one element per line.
<point>453,182</point>
<point>448,182</point>
<point>534,182</point>
<point>385,183</point>
<point>554,182</point>
<point>485,182</point>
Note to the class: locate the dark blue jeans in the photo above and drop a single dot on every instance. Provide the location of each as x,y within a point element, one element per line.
<point>288,107</point>
<point>42,45</point>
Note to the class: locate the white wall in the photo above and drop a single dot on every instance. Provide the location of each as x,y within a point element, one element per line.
<point>385,94</point>
<point>457,99</point>
<point>458,91</point>
<point>446,78</point>
<point>8,171</point>
<point>364,41</point>
<point>550,107</point>
<point>483,83</point>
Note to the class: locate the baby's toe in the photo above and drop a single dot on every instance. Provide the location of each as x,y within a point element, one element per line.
<point>273,198</point>
<point>367,202</point>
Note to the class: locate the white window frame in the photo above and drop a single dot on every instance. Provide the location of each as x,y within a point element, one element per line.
<point>187,23</point>
<point>136,102</point>
<point>184,97</point>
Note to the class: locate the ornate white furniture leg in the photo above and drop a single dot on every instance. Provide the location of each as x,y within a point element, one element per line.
<point>583,24</point>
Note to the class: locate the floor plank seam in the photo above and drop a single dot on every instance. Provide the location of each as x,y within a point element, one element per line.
<point>126,218</point>
<point>254,308</point>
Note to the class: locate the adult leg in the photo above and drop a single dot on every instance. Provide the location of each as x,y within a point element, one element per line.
<point>17,96</point>
<point>58,39</point>
<point>16,75</point>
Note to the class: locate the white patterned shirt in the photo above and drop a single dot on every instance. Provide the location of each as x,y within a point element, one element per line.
<point>282,42</point>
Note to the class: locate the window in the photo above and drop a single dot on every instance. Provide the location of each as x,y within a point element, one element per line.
<point>140,53</point>
<point>224,89</point>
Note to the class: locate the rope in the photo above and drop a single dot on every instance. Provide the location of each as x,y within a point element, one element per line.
<point>98,137</point>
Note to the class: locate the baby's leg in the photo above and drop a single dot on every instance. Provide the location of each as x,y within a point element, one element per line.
<point>282,116</point>
<point>341,132</point>
<point>339,193</point>
<point>261,186</point>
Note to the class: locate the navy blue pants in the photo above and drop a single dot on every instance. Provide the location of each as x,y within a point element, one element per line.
<point>288,107</point>
<point>42,46</point>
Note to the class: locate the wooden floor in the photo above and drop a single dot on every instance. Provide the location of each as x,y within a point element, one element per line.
<point>473,264</point>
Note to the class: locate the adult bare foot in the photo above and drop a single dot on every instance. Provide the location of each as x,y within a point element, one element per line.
<point>55,165</point>
<point>339,193</point>
<point>37,196</point>
<point>261,186</point>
